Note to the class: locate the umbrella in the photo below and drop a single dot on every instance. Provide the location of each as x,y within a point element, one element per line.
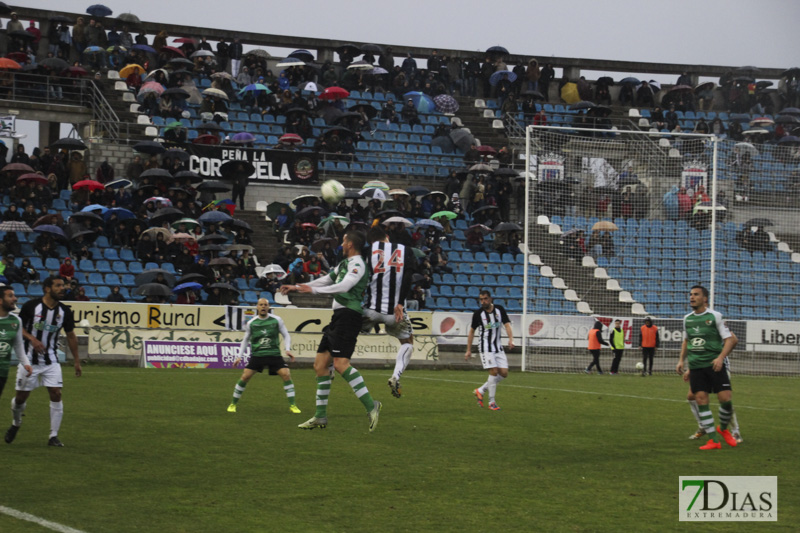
<point>375,184</point>
<point>582,105</point>
<point>705,86</point>
<point>17,167</point>
<point>144,48</point>
<point>363,107</point>
<point>418,253</point>
<point>349,49</point>
<point>153,289</point>
<point>599,111</point>
<point>89,234</point>
<point>762,121</point>
<point>15,225</point>
<point>193,177</point>
<point>485,209</point>
<point>398,220</point>
<point>52,219</point>
<point>213,186</point>
<point>536,95</point>
<point>422,102</point>
<point>99,10</point>
<point>222,75</point>
<point>400,192</point>
<point>166,214</point>
<point>212,248</point>
<point>76,72</point>
<point>188,286</point>
<point>174,125</point>
<point>483,230</point>
<point>424,223</point>
<point>214,238</point>
<point>273,269</point>
<point>388,213</point>
<point>214,217</point>
<point>334,93</point>
<point>179,237</point>
<point>360,65</point>
<point>6,63</point>
<point>509,172</point>
<point>222,261</point>
<point>31,177</point>
<point>88,184</point>
<point>461,138</point>
<point>173,50</point>
<point>789,140</point>
<point>175,92</point>
<point>495,78</point>
<point>215,92</point>
<point>235,169</point>
<point>131,69</point>
<point>309,211</point>
<point>224,286</point>
<point>200,53</point>
<point>68,143</point>
<point>290,138</point>
<point>310,86</point>
<point>344,221</point>
<point>485,149</point>
<point>569,93</point>
<point>745,148</point>
<point>120,212</point>
<point>255,87</point>
<point>604,225</point>
<point>258,52</point>
<point>302,55</point>
<point>150,87</point>
<point>95,207</point>
<point>149,147</point>
<point>787,119</point>
<point>377,71</point>
<point>193,276</point>
<point>319,244</point>
<point>437,193</point>
<point>760,222</point>
<point>274,209</point>
<point>190,223</point>
<point>789,111</point>
<point>206,139</point>
<point>54,63</point>
<point>86,215</point>
<point>180,62</point>
<point>51,230</point>
<point>417,190</point>
<point>239,248</point>
<point>375,194</point>
<point>154,232</point>
<point>306,197</point>
<point>791,72</point>
<point>631,80</point>
<point>92,50</point>
<point>129,18</point>
<point>497,50</point>
<point>449,215</point>
<point>507,226</point>
<point>445,103</point>
<point>243,138</point>
<point>240,224</point>
<point>678,88</point>
<point>156,173</point>
<point>290,62</point>
<point>628,179</point>
<point>371,48</point>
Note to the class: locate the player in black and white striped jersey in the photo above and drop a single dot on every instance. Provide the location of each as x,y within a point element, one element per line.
<point>42,320</point>
<point>392,266</point>
<point>489,320</point>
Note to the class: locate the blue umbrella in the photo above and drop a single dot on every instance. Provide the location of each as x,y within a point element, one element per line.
<point>303,55</point>
<point>188,286</point>
<point>99,10</point>
<point>144,48</point>
<point>94,207</point>
<point>214,217</point>
<point>430,223</point>
<point>631,80</point>
<point>122,214</point>
<point>497,76</point>
<point>93,49</point>
<point>119,184</point>
<point>497,50</point>
<point>243,138</point>
<point>789,139</point>
<point>50,229</point>
<point>255,87</point>
<point>422,101</point>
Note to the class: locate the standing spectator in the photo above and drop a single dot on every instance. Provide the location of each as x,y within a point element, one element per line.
<point>14,24</point>
<point>616,340</point>
<point>239,189</point>
<point>79,35</point>
<point>37,34</point>
<point>223,52</point>
<point>648,341</point>
<point>547,75</point>
<point>596,342</point>
<point>235,53</point>
<point>20,156</point>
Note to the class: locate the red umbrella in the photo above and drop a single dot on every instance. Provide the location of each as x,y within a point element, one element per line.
<point>53,219</point>
<point>206,139</point>
<point>9,63</point>
<point>486,149</point>
<point>291,138</point>
<point>19,57</point>
<point>17,167</point>
<point>173,50</point>
<point>182,40</point>
<point>334,93</point>
<point>308,225</point>
<point>76,72</point>
<point>89,184</point>
<point>36,178</point>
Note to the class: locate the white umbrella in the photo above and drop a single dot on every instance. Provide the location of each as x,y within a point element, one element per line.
<point>310,86</point>
<point>398,220</point>
<point>273,269</point>
<point>202,53</point>
<point>290,62</point>
<point>215,92</point>
<point>375,194</point>
<point>359,65</point>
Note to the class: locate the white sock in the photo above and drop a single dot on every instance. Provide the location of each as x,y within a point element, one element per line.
<point>695,412</point>
<point>17,410</point>
<point>482,388</point>
<point>497,379</point>
<point>734,424</point>
<point>492,387</point>
<point>403,357</point>
<point>56,413</point>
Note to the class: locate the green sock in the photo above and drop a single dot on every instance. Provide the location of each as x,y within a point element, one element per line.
<point>707,422</point>
<point>725,414</point>
<point>323,391</point>
<point>356,382</point>
<point>238,390</point>
<point>288,386</point>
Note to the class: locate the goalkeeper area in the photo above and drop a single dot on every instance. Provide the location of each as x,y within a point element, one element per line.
<point>620,224</point>
<point>155,450</point>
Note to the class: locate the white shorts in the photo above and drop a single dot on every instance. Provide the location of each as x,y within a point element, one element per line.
<point>400,330</point>
<point>494,360</point>
<point>42,376</point>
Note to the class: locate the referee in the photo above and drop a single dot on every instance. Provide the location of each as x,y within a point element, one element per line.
<point>42,320</point>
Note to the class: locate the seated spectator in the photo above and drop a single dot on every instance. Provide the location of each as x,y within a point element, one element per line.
<point>187,297</point>
<point>11,244</point>
<point>389,113</point>
<point>644,95</point>
<point>9,270</point>
<point>312,268</point>
<point>475,241</point>
<point>439,261</point>
<point>12,214</point>
<point>28,273</point>
<point>115,296</point>
<point>81,296</point>
<point>67,269</point>
<point>657,120</point>
<point>145,249</point>
<point>269,283</point>
<point>672,118</point>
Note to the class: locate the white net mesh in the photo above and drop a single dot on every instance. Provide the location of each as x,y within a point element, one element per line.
<point>620,224</point>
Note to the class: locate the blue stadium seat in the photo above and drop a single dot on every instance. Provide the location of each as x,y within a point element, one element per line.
<point>135,268</point>
<point>103,266</point>
<point>95,278</point>
<point>103,292</point>
<point>126,255</point>
<point>52,264</point>
<point>90,292</point>
<point>169,267</point>
<point>250,297</point>
<point>86,265</point>
<point>110,254</point>
<point>112,279</point>
<point>120,267</point>
<point>447,290</point>
<point>128,280</point>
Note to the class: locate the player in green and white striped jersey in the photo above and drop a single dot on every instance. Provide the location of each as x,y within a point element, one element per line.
<point>261,335</point>
<point>10,336</point>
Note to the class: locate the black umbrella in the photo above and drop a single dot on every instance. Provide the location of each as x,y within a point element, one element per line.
<point>484,209</point>
<point>61,18</point>
<point>225,261</point>
<point>349,49</point>
<point>175,92</point>
<point>166,214</point>
<point>760,222</point>
<point>497,50</point>
<point>213,186</point>
<point>599,111</point>
<point>507,226</point>
<point>193,177</point>
<point>462,139</point>
<point>389,213</point>
<point>54,63</point>
<point>297,111</point>
<point>371,48</point>
<point>302,55</point>
<point>213,238</point>
<point>149,276</point>
<point>181,61</point>
<point>363,107</point>
<point>87,215</point>
<point>509,172</point>
<point>68,143</point>
<point>308,211</point>
<point>177,153</point>
<point>329,113</point>
<point>212,248</point>
<point>149,147</point>
<point>535,94</point>
<point>87,234</point>
<point>239,224</point>
<point>583,104</point>
<point>21,34</point>
<point>210,126</point>
<point>341,131</point>
<point>224,287</point>
<point>236,169</point>
<point>344,117</point>
<point>153,289</point>
<point>193,276</point>
<point>156,173</point>
<point>417,190</point>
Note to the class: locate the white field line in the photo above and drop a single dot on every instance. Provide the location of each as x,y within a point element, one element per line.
<point>55,526</point>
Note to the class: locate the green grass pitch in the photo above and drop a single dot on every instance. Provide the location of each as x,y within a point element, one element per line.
<point>155,450</point>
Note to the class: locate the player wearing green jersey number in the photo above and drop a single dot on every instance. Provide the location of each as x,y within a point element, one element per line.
<point>346,283</point>
<point>707,341</point>
<point>10,336</point>
<point>261,335</point>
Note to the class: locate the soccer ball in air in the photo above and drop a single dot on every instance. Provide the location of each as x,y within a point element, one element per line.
<point>332,191</point>
<point>639,366</point>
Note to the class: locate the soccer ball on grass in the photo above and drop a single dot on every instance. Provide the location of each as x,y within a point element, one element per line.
<point>639,366</point>
<point>332,192</point>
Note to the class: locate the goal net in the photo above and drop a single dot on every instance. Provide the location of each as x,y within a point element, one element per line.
<point>620,224</point>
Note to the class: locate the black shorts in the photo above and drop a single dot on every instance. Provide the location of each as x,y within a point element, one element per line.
<point>340,336</point>
<point>273,362</point>
<point>706,380</point>
<point>2,384</point>
<point>648,352</point>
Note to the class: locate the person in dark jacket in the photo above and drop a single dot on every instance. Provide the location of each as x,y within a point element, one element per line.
<point>596,341</point>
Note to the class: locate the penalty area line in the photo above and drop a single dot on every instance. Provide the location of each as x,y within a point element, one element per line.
<point>615,394</point>
<point>55,526</point>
